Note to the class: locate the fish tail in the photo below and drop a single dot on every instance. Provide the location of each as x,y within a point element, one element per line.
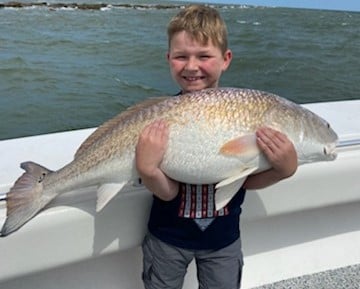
<point>25,198</point>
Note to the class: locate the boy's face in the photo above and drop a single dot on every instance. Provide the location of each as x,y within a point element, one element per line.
<point>195,66</point>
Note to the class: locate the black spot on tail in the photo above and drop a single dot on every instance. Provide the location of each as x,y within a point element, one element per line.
<point>25,198</point>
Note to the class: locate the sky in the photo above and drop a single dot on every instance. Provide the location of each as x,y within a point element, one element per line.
<point>347,5</point>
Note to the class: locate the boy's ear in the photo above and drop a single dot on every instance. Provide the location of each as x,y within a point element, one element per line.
<point>227,59</point>
<point>167,56</point>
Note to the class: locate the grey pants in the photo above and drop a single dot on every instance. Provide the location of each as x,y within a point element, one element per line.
<point>165,265</point>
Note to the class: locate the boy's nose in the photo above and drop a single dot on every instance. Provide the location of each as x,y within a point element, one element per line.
<point>192,64</point>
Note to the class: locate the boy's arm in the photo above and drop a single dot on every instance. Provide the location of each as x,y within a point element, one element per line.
<point>149,153</point>
<point>281,155</point>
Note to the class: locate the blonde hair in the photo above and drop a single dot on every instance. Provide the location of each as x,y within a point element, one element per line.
<point>203,23</point>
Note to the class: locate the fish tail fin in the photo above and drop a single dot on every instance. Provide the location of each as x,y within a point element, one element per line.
<point>25,198</point>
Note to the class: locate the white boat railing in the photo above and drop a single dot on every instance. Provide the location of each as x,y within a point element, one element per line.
<point>347,143</point>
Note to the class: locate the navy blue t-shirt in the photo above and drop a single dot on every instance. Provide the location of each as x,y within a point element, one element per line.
<point>190,220</point>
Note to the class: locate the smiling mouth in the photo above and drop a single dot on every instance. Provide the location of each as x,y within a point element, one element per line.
<point>193,78</point>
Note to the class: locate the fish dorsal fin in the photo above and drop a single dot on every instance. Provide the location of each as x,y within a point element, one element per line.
<point>226,189</point>
<point>114,122</point>
<point>106,192</point>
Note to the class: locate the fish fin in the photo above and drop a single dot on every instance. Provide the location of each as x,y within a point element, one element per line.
<point>114,122</point>
<point>245,144</point>
<point>106,192</point>
<point>226,189</point>
<point>25,199</point>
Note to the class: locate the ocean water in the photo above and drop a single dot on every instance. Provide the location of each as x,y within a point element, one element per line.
<point>64,68</point>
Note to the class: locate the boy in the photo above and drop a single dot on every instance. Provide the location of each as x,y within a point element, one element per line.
<point>197,56</point>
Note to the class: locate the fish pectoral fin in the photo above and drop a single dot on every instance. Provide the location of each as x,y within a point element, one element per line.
<point>106,192</point>
<point>242,145</point>
<point>226,189</point>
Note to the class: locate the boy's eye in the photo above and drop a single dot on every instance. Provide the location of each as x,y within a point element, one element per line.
<point>205,56</point>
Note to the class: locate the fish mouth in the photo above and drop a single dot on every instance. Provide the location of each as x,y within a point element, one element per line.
<point>330,151</point>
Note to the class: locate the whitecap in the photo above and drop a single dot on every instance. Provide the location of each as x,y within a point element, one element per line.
<point>107,8</point>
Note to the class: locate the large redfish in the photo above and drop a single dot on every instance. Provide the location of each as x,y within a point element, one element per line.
<point>212,140</point>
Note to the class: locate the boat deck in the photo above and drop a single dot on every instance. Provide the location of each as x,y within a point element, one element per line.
<point>342,278</point>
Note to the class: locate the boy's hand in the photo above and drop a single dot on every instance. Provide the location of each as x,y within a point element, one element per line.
<point>279,151</point>
<point>151,146</point>
<point>149,154</point>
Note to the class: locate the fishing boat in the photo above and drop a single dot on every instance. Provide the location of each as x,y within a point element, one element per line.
<point>306,224</point>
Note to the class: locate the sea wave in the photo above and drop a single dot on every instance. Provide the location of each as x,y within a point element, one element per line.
<point>84,6</point>
<point>105,6</point>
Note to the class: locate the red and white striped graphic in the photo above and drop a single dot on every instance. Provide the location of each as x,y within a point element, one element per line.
<point>198,202</point>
